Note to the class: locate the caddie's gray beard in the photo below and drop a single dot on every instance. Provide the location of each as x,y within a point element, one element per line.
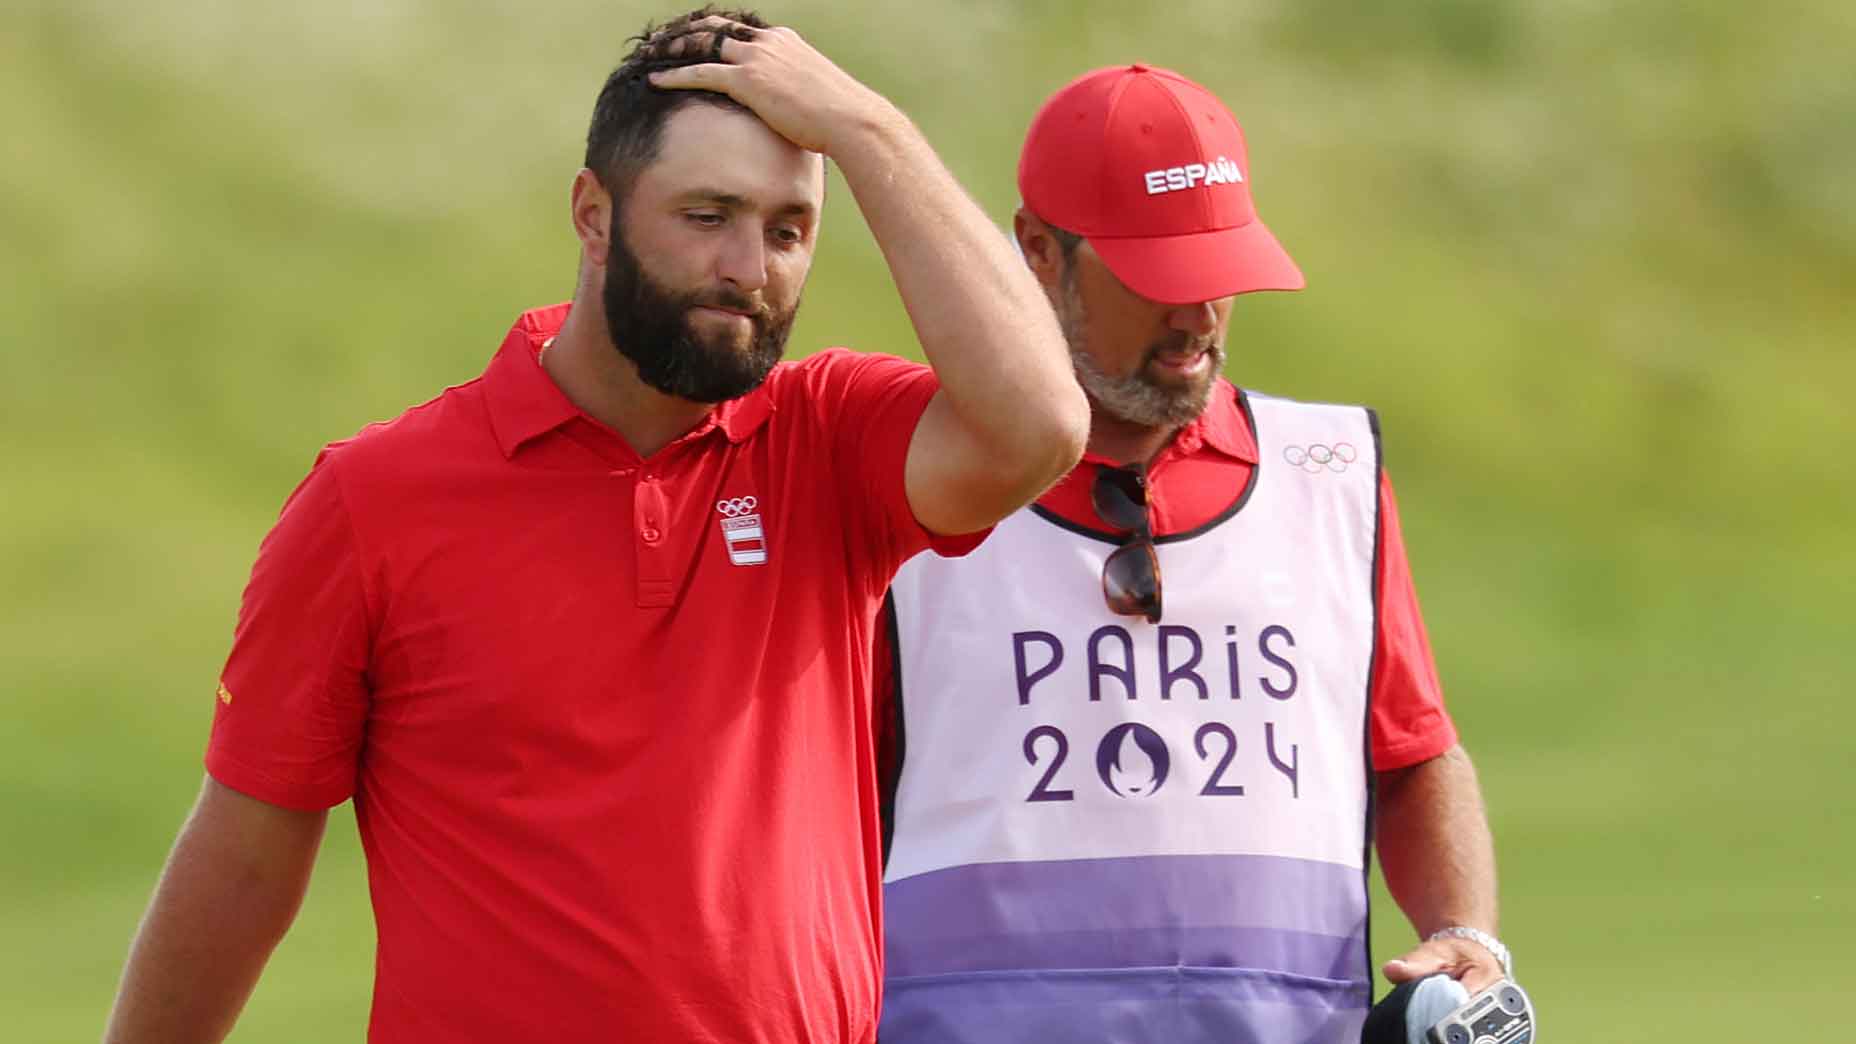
<point>1136,398</point>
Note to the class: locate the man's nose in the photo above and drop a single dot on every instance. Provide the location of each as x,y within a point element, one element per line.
<point>743,260</point>
<point>1198,320</point>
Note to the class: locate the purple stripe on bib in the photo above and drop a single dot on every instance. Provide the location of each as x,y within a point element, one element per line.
<point>1294,916</point>
<point>1137,1006</point>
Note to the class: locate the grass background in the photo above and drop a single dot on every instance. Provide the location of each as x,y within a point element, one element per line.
<point>1594,263</point>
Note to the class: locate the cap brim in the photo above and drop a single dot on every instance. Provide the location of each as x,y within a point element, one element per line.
<point>1200,266</point>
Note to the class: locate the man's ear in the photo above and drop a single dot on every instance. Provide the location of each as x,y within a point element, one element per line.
<point>1041,251</point>
<point>592,217</point>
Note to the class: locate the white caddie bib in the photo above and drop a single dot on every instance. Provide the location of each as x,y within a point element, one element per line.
<point>1101,822</point>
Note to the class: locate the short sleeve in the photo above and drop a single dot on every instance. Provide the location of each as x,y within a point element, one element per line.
<point>293,699</point>
<point>1409,722</point>
<point>875,402</point>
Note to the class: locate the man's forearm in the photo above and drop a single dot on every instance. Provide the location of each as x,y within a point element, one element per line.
<point>1434,844</point>
<point>980,316</point>
<point>229,892</point>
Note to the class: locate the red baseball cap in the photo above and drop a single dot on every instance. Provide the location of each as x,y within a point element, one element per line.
<point>1152,170</point>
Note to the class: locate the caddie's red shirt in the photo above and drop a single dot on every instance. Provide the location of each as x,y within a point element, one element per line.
<point>606,720</point>
<point>1196,478</point>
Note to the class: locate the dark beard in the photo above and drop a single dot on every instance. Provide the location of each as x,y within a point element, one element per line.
<point>650,326</point>
<point>1137,398</point>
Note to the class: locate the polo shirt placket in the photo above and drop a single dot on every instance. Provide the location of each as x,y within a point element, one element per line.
<point>649,510</point>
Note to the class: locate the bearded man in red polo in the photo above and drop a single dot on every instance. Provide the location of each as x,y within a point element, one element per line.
<point>587,640</point>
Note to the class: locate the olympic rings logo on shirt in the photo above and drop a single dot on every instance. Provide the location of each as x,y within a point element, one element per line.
<point>1316,456</point>
<point>737,506</point>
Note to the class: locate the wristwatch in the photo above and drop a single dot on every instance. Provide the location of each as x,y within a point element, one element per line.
<point>1481,938</point>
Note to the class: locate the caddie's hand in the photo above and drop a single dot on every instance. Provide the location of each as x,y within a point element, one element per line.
<point>1461,959</point>
<point>794,89</point>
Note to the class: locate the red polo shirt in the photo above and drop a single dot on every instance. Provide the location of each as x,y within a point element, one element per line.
<point>1195,479</point>
<point>606,720</point>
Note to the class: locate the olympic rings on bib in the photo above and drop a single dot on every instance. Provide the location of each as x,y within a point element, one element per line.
<point>1316,456</point>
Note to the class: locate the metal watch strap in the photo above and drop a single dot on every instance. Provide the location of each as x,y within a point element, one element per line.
<point>1481,938</point>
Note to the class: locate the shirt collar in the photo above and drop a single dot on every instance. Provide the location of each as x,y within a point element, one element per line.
<point>1224,426</point>
<point>739,418</point>
<point>524,401</point>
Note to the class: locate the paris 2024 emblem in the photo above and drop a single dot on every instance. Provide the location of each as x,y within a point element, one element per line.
<point>1132,760</point>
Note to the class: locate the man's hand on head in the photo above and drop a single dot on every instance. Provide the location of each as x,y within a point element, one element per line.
<point>793,88</point>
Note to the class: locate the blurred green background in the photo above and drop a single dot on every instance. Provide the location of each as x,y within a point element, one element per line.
<point>1593,262</point>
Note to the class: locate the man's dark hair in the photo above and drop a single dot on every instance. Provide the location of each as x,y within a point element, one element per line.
<point>1066,245</point>
<point>628,119</point>
<point>1066,240</point>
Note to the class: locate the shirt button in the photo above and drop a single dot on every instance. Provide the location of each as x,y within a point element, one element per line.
<point>650,534</point>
